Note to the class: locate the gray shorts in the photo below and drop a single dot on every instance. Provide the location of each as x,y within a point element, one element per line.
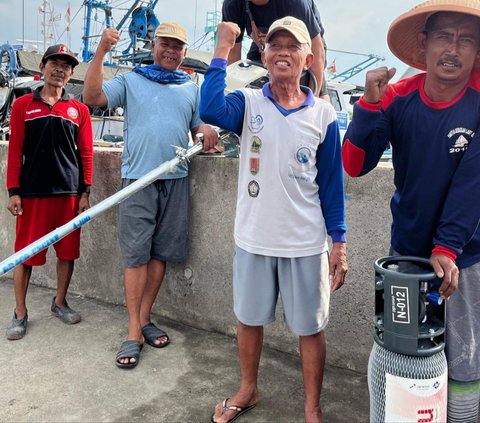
<point>463,327</point>
<point>462,346</point>
<point>302,282</point>
<point>153,223</point>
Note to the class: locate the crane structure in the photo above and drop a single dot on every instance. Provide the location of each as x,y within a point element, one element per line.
<point>370,60</point>
<point>141,28</point>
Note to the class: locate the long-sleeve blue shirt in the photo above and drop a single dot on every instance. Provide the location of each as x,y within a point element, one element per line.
<point>227,111</point>
<point>436,157</point>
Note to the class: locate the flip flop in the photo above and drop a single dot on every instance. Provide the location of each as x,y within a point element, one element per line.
<point>151,333</point>
<point>238,409</point>
<point>129,349</point>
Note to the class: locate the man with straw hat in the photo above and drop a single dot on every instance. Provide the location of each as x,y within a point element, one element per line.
<point>432,121</point>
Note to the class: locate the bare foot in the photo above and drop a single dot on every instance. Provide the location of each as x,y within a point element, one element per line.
<point>161,341</point>
<point>313,416</point>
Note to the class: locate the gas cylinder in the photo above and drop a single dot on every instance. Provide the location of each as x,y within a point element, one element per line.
<point>407,369</point>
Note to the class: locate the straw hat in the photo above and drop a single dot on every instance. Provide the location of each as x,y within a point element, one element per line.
<point>403,32</point>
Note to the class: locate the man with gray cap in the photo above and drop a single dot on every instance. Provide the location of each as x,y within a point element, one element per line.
<point>49,173</point>
<point>290,196</point>
<point>161,108</point>
<point>432,121</point>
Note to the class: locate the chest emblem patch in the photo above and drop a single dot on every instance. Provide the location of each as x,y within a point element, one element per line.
<point>256,145</point>
<point>462,138</point>
<point>253,189</point>
<point>72,112</point>
<point>255,123</point>
<point>254,165</point>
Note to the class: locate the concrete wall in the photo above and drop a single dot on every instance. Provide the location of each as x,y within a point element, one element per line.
<point>198,292</point>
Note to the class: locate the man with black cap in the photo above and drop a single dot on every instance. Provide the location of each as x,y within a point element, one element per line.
<point>161,108</point>
<point>49,174</point>
<point>432,121</point>
<point>290,196</point>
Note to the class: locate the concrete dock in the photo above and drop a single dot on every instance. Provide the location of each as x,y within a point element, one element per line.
<point>61,373</point>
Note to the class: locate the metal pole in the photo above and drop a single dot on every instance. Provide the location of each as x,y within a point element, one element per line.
<point>44,25</point>
<point>24,254</point>
<point>23,24</point>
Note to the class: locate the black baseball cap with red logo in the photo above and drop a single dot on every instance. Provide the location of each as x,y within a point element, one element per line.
<point>62,52</point>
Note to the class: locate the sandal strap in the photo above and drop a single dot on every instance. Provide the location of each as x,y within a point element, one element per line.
<point>226,407</point>
<point>152,332</point>
<point>129,349</point>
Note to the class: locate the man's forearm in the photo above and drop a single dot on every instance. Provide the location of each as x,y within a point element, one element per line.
<point>318,65</point>
<point>92,88</point>
<point>235,53</point>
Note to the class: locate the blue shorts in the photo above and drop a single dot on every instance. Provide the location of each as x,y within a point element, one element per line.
<point>302,282</point>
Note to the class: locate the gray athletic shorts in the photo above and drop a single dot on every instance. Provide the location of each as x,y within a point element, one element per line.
<point>462,346</point>
<point>302,282</point>
<point>463,327</point>
<point>153,223</point>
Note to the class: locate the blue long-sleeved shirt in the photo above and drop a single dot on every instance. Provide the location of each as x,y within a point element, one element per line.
<point>436,157</point>
<point>228,112</point>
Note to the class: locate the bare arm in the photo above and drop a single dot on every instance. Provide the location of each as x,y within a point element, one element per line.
<point>376,83</point>
<point>15,205</point>
<point>235,53</point>
<point>93,94</point>
<point>210,136</point>
<point>318,64</point>
<point>445,268</point>
<point>338,265</point>
<point>84,202</point>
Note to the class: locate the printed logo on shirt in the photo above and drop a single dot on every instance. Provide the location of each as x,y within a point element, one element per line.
<point>304,157</point>
<point>29,112</point>
<point>255,124</point>
<point>256,145</point>
<point>72,112</point>
<point>462,137</point>
<point>253,189</point>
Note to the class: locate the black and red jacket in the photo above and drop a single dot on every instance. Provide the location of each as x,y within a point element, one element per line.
<point>50,151</point>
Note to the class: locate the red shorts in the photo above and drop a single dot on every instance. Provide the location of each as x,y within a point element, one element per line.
<point>43,215</point>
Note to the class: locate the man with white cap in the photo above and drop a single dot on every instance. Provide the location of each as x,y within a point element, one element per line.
<point>254,17</point>
<point>432,121</point>
<point>161,108</point>
<point>290,195</point>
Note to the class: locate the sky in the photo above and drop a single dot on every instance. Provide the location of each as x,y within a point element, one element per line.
<point>356,26</point>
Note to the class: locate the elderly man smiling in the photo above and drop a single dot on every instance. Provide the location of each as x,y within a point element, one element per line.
<point>290,195</point>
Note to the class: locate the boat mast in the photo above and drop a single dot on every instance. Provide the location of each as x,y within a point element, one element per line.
<point>90,5</point>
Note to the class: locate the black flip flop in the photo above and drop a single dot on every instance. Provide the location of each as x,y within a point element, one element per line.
<point>237,408</point>
<point>151,333</point>
<point>129,349</point>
